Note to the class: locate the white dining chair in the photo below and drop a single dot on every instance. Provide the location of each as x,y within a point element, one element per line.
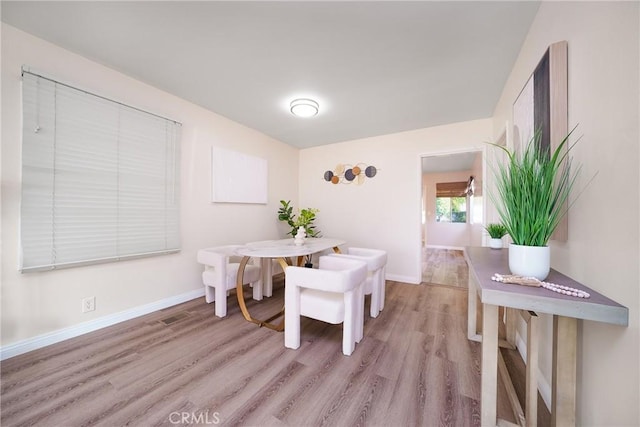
<point>332,293</point>
<point>375,285</point>
<point>220,275</point>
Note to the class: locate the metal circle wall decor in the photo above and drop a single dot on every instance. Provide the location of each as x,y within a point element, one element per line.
<point>347,174</point>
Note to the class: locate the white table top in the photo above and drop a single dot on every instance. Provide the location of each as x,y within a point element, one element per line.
<point>286,247</point>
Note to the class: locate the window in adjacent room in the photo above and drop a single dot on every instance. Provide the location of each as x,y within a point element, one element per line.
<point>451,202</point>
<point>100,180</point>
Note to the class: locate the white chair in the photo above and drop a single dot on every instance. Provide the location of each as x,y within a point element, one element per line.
<point>332,293</point>
<point>376,260</point>
<point>220,275</point>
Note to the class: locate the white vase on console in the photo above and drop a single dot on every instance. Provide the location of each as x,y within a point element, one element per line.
<point>300,237</point>
<point>530,261</point>
<point>495,243</point>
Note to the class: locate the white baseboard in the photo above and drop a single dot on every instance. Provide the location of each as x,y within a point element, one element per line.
<point>543,384</point>
<point>49,338</point>
<point>452,248</point>
<point>403,279</point>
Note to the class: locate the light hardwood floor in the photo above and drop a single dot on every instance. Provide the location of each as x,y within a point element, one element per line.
<point>183,365</point>
<point>444,267</point>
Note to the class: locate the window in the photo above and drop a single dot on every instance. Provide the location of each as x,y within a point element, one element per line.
<point>451,202</point>
<point>100,180</point>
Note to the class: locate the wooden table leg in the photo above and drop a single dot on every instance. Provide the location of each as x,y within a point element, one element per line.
<point>489,375</point>
<point>511,316</point>
<point>531,382</point>
<point>472,311</point>
<point>563,388</point>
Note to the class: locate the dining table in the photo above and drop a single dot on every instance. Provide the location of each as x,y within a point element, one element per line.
<point>284,251</point>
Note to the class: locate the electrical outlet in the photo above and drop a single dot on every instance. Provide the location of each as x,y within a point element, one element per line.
<point>88,304</point>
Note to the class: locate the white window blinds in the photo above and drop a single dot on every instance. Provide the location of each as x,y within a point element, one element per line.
<point>100,180</point>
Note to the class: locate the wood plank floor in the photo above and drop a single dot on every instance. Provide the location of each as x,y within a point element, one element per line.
<point>183,365</point>
<point>444,267</point>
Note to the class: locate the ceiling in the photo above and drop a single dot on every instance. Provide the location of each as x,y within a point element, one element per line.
<point>458,162</point>
<point>374,67</point>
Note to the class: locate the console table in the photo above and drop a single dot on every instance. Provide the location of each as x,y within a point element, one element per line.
<point>566,310</point>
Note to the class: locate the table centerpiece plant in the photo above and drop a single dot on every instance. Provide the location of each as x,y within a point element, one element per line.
<point>305,219</point>
<point>532,195</point>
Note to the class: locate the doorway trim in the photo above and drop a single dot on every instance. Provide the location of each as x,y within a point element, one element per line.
<point>439,153</point>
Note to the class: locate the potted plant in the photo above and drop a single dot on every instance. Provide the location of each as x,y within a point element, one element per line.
<point>304,219</point>
<point>532,192</point>
<point>496,232</point>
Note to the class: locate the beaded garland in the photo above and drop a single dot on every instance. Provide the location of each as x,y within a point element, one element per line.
<point>532,281</point>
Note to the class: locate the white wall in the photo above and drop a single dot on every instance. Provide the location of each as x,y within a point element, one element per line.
<point>385,211</point>
<point>602,250</point>
<point>38,303</point>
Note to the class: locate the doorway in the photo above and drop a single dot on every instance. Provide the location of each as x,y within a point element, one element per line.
<point>453,206</point>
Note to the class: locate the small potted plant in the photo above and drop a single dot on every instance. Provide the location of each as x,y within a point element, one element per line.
<point>532,195</point>
<point>496,232</point>
<point>304,219</point>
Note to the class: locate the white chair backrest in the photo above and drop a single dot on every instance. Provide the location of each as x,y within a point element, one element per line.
<point>218,258</point>
<point>333,275</point>
<point>215,256</point>
<point>375,258</point>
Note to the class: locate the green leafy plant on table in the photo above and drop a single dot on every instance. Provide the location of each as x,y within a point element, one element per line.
<point>533,189</point>
<point>496,231</point>
<point>304,218</point>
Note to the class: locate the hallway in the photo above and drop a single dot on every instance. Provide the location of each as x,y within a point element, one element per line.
<point>444,267</point>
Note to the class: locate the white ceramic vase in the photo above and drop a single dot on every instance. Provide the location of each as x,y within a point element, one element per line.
<point>300,237</point>
<point>495,243</point>
<point>530,261</point>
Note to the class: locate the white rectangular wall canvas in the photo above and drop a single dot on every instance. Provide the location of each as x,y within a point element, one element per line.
<point>237,177</point>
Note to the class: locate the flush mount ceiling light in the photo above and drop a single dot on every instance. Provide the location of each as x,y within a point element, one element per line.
<point>304,107</point>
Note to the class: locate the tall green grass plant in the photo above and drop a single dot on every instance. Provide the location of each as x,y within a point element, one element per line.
<point>532,190</point>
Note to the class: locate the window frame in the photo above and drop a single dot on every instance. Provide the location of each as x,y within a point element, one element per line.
<point>466,211</point>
